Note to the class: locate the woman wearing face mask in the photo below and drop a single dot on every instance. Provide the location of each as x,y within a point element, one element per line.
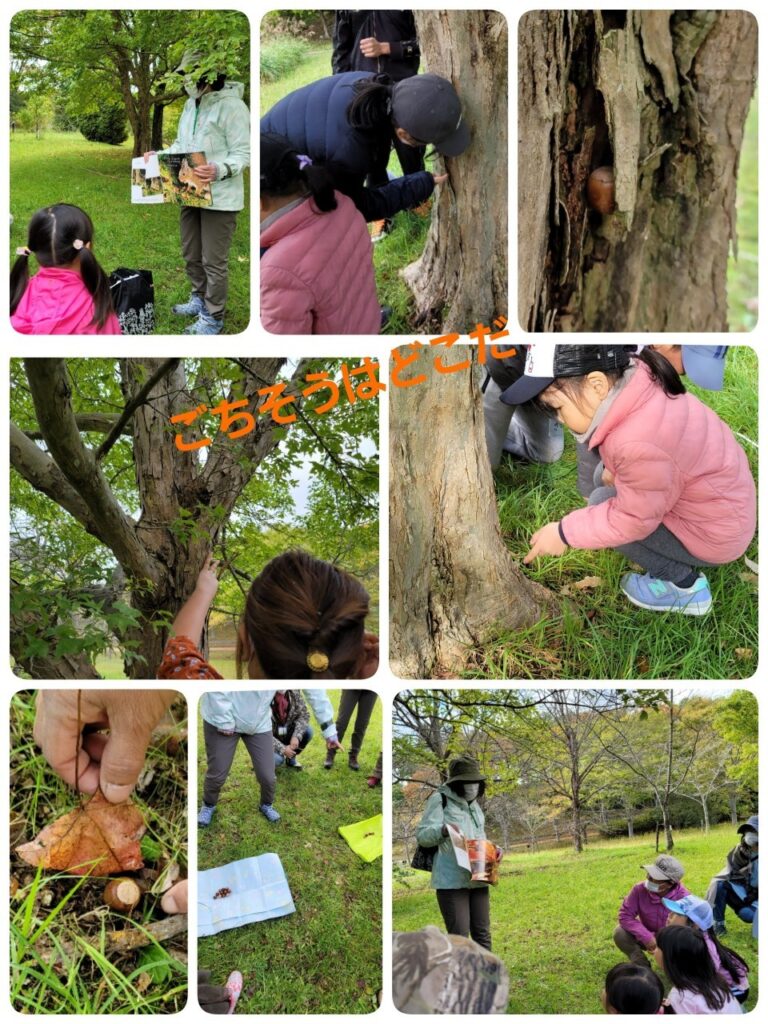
<point>643,912</point>
<point>464,904</point>
<point>217,122</point>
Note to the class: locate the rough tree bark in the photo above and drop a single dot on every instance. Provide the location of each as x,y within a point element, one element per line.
<point>461,277</point>
<point>661,98</point>
<point>160,561</point>
<point>452,579</point>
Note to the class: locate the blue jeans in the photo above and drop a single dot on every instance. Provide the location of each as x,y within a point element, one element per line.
<point>733,895</point>
<point>285,740</point>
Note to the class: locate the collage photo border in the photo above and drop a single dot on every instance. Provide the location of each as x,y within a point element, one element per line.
<point>256,341</point>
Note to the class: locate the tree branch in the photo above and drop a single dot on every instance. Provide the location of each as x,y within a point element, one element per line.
<point>138,399</point>
<point>87,423</point>
<point>48,381</point>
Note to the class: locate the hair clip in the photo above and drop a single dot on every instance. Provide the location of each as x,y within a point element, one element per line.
<point>317,661</point>
<point>78,244</point>
<point>304,161</point>
<point>22,251</point>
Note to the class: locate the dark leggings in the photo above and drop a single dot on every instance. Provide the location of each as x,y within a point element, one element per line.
<point>467,912</point>
<point>660,553</point>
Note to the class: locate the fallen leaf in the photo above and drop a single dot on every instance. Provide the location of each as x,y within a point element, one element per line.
<point>643,665</point>
<point>749,577</point>
<point>750,564</point>
<point>743,653</point>
<point>98,838</point>
<point>588,583</point>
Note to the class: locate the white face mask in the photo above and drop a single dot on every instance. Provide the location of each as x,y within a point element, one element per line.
<point>751,839</point>
<point>471,789</point>
<point>653,886</point>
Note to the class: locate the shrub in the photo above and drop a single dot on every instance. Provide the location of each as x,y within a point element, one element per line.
<point>106,125</point>
<point>281,56</point>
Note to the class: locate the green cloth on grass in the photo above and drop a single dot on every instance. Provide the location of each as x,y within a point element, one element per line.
<point>365,838</point>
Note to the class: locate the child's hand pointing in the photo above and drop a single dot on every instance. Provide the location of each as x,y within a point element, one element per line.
<point>546,541</point>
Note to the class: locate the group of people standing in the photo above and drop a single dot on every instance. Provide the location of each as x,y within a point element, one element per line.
<point>324,155</point>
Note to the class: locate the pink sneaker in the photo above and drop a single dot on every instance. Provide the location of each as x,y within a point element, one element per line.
<point>234,986</point>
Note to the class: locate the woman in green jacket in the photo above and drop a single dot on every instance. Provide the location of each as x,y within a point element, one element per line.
<point>217,122</point>
<point>464,904</point>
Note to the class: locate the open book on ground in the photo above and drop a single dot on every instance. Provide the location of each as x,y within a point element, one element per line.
<point>478,856</point>
<point>170,178</point>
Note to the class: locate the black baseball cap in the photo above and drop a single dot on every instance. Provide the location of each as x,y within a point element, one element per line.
<point>428,108</point>
<point>545,362</point>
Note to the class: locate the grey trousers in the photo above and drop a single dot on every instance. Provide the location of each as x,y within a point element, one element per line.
<point>519,429</point>
<point>629,946</point>
<point>220,752</point>
<point>660,553</point>
<point>364,701</point>
<point>467,912</point>
<point>206,237</point>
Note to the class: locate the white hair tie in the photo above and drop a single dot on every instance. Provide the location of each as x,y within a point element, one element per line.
<point>22,251</point>
<point>78,244</point>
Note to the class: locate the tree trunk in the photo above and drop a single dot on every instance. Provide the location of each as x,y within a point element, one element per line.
<point>733,808</point>
<point>184,502</point>
<point>630,828</point>
<point>660,98</point>
<point>452,579</point>
<point>461,276</point>
<point>667,828</point>
<point>705,809</point>
<point>158,112</point>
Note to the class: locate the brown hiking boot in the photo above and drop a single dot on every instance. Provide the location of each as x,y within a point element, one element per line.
<point>353,763</point>
<point>329,758</point>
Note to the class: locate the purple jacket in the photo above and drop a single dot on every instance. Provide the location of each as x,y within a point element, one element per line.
<point>642,913</point>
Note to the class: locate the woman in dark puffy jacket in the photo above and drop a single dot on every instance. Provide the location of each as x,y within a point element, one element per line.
<point>347,121</point>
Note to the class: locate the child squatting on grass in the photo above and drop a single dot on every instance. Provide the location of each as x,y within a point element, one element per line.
<point>632,988</point>
<point>696,986</point>
<point>674,491</point>
<point>70,292</point>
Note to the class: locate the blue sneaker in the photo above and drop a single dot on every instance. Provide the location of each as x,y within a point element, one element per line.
<point>194,306</point>
<point>205,817</point>
<point>205,324</point>
<point>662,596</point>
<point>269,812</point>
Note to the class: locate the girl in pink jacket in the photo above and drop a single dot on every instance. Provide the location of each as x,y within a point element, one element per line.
<point>674,492</point>
<point>70,292</point>
<point>316,255</point>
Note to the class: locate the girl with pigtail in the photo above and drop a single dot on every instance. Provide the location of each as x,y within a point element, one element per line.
<point>70,292</point>
<point>304,619</point>
<point>316,265</point>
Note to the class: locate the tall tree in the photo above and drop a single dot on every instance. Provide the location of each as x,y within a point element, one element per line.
<point>658,99</point>
<point>94,439</point>
<point>127,54</point>
<point>452,579</point>
<point>461,276</point>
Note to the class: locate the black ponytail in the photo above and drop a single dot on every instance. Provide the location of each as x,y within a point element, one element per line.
<point>51,237</point>
<point>662,371</point>
<point>19,280</point>
<point>282,174</point>
<point>729,958</point>
<point>372,105</point>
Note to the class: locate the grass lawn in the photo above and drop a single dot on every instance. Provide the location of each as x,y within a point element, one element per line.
<point>325,958</point>
<point>61,959</point>
<point>405,241</point>
<point>742,272</point>
<point>553,914</point>
<point>603,636</point>
<point>63,167</point>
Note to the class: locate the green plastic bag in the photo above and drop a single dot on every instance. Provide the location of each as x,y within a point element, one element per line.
<point>365,838</point>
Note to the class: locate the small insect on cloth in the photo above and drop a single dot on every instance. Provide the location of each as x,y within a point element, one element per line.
<point>242,892</point>
<point>365,838</point>
<point>97,838</point>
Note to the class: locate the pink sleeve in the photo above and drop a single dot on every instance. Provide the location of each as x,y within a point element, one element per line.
<point>286,302</point>
<point>648,485</point>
